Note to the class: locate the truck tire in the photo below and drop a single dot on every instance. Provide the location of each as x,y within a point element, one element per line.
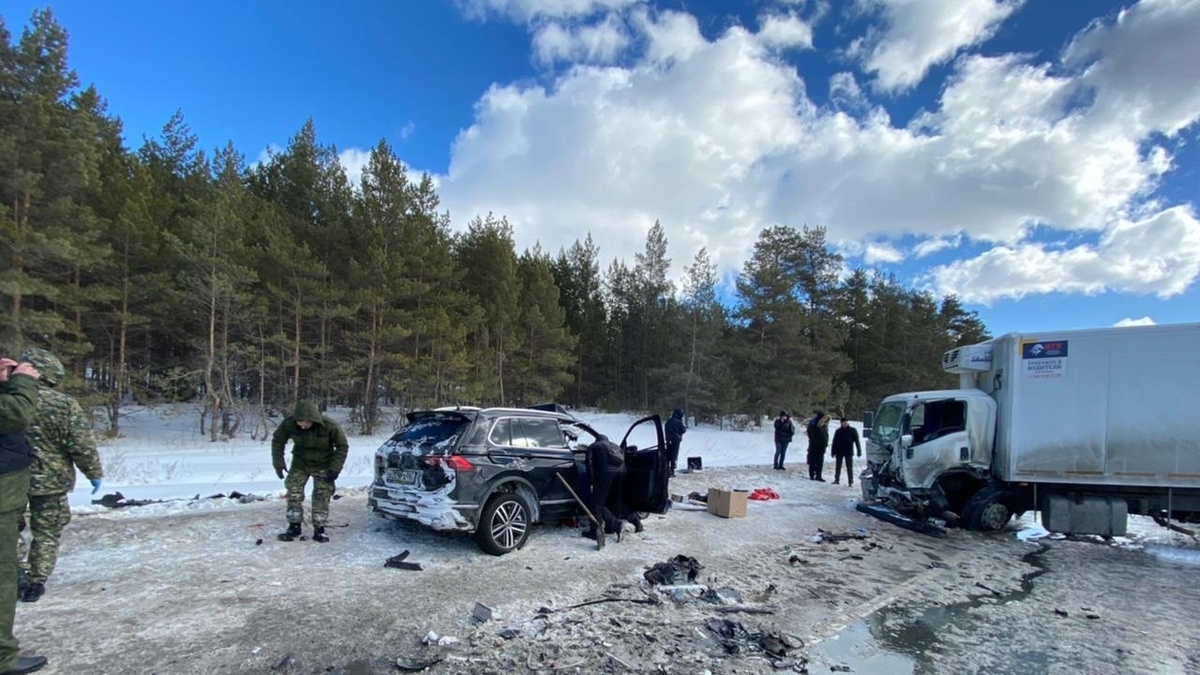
<point>989,510</point>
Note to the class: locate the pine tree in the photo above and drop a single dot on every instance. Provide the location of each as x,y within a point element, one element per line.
<point>485,254</point>
<point>577,275</point>
<point>541,364</point>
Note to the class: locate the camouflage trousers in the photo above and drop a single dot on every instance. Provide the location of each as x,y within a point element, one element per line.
<point>321,494</point>
<point>47,516</point>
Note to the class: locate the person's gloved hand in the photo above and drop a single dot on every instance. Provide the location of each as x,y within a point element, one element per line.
<point>279,471</point>
<point>95,485</point>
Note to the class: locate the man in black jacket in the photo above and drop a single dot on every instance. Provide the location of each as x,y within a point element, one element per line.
<point>606,471</point>
<point>845,442</point>
<point>784,431</point>
<point>675,431</point>
<point>818,440</point>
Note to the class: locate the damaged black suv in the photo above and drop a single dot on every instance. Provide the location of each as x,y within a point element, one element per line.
<point>492,471</point>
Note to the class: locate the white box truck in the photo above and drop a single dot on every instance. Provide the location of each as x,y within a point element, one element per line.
<point>1084,425</point>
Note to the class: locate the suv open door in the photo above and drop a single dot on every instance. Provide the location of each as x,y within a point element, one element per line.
<point>646,489</point>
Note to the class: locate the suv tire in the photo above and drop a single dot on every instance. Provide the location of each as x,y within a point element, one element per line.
<point>503,524</point>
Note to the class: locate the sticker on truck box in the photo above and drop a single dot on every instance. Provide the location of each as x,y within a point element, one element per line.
<point>1044,359</point>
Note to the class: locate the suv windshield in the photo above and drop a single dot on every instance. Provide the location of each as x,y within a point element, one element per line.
<point>435,432</point>
<point>887,422</point>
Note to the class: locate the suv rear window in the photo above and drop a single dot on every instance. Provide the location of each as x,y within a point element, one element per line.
<point>432,433</point>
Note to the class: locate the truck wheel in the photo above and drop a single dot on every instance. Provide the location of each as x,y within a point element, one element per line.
<point>503,525</point>
<point>988,510</point>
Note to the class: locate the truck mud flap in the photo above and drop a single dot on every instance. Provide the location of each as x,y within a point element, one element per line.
<point>896,518</point>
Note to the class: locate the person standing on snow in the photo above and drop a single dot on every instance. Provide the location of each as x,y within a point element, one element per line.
<point>319,450</point>
<point>18,407</point>
<point>818,440</point>
<point>784,431</point>
<point>61,437</point>
<point>845,442</point>
<point>675,431</point>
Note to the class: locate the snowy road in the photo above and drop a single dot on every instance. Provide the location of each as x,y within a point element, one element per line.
<point>161,591</point>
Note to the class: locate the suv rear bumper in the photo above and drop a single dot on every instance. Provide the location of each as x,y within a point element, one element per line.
<point>435,511</point>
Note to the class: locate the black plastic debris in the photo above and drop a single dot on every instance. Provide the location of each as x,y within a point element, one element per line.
<point>413,665</point>
<point>481,613</point>
<point>509,633</point>
<point>680,569</point>
<point>283,664</point>
<point>697,497</point>
<point>398,562</point>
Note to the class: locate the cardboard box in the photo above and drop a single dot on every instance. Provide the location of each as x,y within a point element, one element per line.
<point>727,503</point>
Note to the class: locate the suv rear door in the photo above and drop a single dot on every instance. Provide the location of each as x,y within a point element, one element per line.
<point>537,448</point>
<point>646,488</point>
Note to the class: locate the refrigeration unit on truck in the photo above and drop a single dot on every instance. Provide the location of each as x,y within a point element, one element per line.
<point>1086,426</point>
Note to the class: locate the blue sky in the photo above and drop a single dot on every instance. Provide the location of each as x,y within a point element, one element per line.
<point>1036,157</point>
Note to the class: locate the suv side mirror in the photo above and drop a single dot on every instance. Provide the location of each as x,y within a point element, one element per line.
<point>906,441</point>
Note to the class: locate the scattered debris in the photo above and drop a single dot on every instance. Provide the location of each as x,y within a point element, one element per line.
<point>673,571</point>
<point>742,609</point>
<point>989,590</point>
<point>652,600</point>
<point>283,664</point>
<point>1092,616</point>
<point>722,596</point>
<point>1061,612</point>
<point>839,669</point>
<point>509,633</point>
<point>258,542</point>
<point>413,665</point>
<point>763,494</point>
<point>697,497</point>
<point>482,613</point>
<point>116,500</point>
<point>398,562</point>
<point>797,559</point>
<point>886,513</point>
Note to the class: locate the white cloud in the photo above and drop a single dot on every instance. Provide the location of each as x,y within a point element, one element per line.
<point>1143,67</point>
<point>845,93</point>
<point>599,43</point>
<point>719,138</point>
<point>919,34</point>
<point>881,252</point>
<point>785,30</point>
<point>1144,321</point>
<point>931,246</point>
<point>1158,255</point>
<point>527,10</point>
<point>354,161</point>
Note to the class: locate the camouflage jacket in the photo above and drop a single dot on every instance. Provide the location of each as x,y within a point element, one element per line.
<point>321,447</point>
<point>61,436</point>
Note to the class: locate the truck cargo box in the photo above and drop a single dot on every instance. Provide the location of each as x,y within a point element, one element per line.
<point>1114,406</point>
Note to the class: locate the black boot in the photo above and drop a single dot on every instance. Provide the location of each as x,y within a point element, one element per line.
<point>319,535</point>
<point>33,592</point>
<point>292,532</point>
<point>26,664</point>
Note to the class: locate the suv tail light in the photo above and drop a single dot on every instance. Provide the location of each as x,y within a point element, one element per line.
<point>455,462</point>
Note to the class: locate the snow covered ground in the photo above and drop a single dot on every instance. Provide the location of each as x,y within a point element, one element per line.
<point>201,586</point>
<point>161,454</point>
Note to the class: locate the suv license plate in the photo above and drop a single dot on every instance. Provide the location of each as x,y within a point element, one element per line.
<point>403,476</point>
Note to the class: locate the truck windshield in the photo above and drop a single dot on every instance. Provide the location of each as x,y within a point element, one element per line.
<point>887,422</point>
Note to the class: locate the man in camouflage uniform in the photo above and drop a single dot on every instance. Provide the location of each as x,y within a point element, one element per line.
<point>18,407</point>
<point>319,449</point>
<point>61,436</point>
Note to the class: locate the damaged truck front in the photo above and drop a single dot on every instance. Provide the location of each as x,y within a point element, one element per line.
<point>1085,426</point>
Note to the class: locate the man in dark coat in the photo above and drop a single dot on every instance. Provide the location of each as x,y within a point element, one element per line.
<point>606,471</point>
<point>18,408</point>
<point>818,441</point>
<point>675,431</point>
<point>319,450</point>
<point>845,442</point>
<point>784,431</point>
